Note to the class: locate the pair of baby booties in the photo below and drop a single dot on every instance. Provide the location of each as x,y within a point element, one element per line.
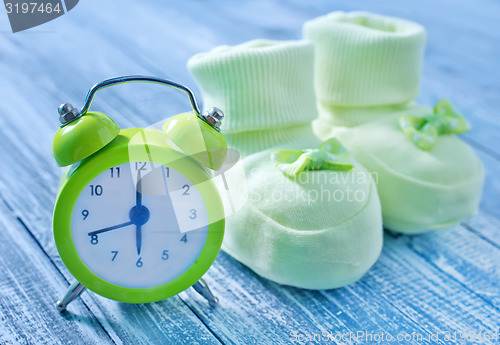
<point>402,167</point>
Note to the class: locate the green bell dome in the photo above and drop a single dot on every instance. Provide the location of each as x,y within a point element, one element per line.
<point>197,139</point>
<point>82,137</point>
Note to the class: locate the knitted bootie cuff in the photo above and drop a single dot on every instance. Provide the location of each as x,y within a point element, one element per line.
<point>364,59</point>
<point>250,142</point>
<point>259,85</point>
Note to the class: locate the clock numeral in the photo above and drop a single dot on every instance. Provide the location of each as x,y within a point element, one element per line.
<point>115,172</point>
<point>85,214</point>
<point>193,214</point>
<point>94,239</point>
<point>95,190</point>
<point>115,253</point>
<point>184,238</point>
<point>139,263</point>
<point>140,165</point>
<point>167,170</point>
<point>164,256</point>
<point>186,189</point>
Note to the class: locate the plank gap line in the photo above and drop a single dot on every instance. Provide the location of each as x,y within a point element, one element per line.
<point>202,321</point>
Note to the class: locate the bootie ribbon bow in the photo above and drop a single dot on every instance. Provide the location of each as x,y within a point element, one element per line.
<point>331,155</point>
<point>424,131</point>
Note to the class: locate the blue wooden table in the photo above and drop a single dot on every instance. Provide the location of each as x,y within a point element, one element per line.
<point>435,286</point>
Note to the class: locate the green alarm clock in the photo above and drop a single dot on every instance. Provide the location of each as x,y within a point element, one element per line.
<point>138,218</point>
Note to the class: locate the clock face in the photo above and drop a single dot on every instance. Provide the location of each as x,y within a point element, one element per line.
<point>139,225</point>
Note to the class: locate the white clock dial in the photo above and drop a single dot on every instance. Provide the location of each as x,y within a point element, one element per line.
<point>139,237</point>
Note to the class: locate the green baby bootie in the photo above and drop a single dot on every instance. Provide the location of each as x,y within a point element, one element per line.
<point>367,74</point>
<point>313,217</point>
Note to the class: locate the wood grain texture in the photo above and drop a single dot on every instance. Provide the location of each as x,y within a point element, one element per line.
<point>28,279</point>
<point>437,282</point>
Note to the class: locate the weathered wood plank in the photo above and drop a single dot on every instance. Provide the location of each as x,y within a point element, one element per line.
<point>28,284</point>
<point>254,310</point>
<point>457,252</point>
<point>424,292</point>
<point>485,226</point>
<point>401,293</point>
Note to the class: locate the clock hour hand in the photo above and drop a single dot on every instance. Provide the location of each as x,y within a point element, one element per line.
<point>110,228</point>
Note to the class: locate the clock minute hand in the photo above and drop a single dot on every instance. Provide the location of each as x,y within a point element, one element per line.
<point>138,203</point>
<point>138,194</point>
<point>111,228</point>
<point>138,238</point>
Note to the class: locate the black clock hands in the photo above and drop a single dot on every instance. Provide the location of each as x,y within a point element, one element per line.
<point>138,194</point>
<point>139,215</point>
<point>138,205</point>
<point>138,239</point>
<point>111,228</point>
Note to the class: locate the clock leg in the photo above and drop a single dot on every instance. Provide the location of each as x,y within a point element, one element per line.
<point>202,288</point>
<point>73,292</point>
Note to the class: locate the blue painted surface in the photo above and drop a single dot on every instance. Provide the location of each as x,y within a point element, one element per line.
<point>433,284</point>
